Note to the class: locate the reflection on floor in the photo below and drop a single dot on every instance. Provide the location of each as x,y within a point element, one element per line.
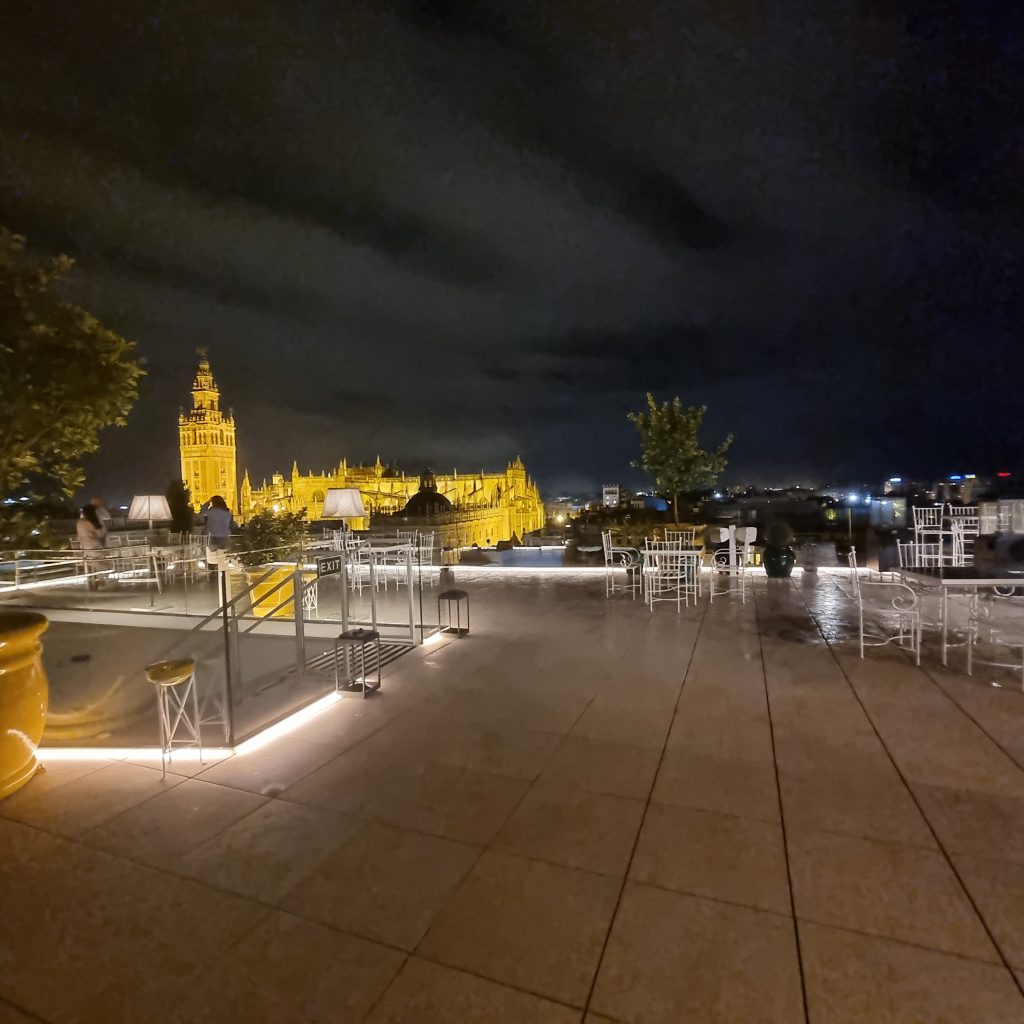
<point>579,812</point>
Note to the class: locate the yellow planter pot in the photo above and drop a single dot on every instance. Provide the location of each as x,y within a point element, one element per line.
<point>264,602</point>
<point>265,598</point>
<point>23,697</point>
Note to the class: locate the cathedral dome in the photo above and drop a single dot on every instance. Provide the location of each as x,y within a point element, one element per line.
<point>426,501</point>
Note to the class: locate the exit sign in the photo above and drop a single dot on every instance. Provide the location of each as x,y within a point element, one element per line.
<point>328,565</point>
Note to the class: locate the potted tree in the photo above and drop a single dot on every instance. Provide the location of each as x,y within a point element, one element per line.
<point>671,451</point>
<point>778,557</point>
<point>266,538</point>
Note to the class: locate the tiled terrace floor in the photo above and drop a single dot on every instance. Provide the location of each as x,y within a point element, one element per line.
<point>581,812</point>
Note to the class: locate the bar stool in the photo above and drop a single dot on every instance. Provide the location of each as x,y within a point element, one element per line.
<point>177,704</point>
<point>448,596</point>
<point>354,643</point>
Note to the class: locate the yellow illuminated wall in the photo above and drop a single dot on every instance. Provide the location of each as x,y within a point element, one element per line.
<point>488,507</point>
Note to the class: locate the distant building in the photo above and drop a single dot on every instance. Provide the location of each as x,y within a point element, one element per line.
<point>481,508</point>
<point>611,495</point>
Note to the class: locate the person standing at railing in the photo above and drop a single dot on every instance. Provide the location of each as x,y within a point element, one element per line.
<point>91,538</point>
<point>218,525</point>
<point>103,515</point>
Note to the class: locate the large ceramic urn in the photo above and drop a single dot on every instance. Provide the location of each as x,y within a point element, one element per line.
<point>23,696</point>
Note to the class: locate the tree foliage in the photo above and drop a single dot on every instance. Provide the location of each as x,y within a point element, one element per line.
<point>268,536</point>
<point>64,377</point>
<point>671,452</point>
<point>179,501</point>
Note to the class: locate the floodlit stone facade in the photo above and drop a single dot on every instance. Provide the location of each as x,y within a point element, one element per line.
<point>486,507</point>
<point>206,438</point>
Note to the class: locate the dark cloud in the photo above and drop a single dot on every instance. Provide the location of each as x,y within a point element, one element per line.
<point>450,232</point>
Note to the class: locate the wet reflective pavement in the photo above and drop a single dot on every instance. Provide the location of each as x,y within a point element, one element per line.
<point>582,811</point>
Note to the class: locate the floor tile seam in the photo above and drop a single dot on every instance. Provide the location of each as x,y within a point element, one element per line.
<point>80,838</point>
<point>709,810</point>
<point>297,734</point>
<point>554,863</point>
<point>201,970</point>
<point>504,983</point>
<point>1018,981</point>
<point>166,870</point>
<point>406,957</point>
<point>489,845</point>
<point>997,963</point>
<point>32,1015</point>
<point>181,876</point>
<point>967,714</point>
<point>256,810</point>
<point>41,758</point>
<point>647,803</point>
<point>463,769</point>
<point>781,915</point>
<point>346,930</point>
<point>902,843</point>
<point>85,841</point>
<point>782,821</point>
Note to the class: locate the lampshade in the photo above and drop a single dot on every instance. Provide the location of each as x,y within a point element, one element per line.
<point>149,507</point>
<point>343,503</point>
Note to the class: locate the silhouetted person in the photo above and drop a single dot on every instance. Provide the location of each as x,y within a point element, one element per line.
<point>103,515</point>
<point>91,539</point>
<point>218,524</point>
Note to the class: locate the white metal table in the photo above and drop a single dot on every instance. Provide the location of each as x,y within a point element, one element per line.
<point>964,584</point>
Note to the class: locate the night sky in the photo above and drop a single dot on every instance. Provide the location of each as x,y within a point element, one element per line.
<point>451,232</point>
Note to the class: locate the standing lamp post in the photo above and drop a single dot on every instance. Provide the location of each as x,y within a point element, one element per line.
<point>346,503</point>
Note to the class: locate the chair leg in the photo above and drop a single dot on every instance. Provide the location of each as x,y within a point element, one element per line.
<point>197,720</point>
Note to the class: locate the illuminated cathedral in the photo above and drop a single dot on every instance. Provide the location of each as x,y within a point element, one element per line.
<point>473,508</point>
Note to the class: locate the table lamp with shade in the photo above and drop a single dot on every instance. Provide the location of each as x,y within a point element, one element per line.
<point>150,507</point>
<point>343,503</point>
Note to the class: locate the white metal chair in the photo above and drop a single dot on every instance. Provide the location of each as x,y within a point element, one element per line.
<point>358,556</point>
<point>988,623</point>
<point>684,537</point>
<point>727,579</point>
<point>916,555</point>
<point>425,548</point>
<point>649,563</point>
<point>616,560</point>
<point>672,575</point>
<point>310,600</point>
<point>964,529</point>
<point>930,527</point>
<point>394,562</point>
<point>902,604</point>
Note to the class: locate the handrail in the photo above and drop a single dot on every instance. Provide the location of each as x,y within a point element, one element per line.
<point>266,615</point>
<point>218,612</point>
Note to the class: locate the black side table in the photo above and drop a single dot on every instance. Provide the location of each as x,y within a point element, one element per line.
<point>353,643</point>
<point>456,596</point>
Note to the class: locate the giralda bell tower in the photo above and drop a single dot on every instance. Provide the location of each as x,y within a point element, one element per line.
<point>207,441</point>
